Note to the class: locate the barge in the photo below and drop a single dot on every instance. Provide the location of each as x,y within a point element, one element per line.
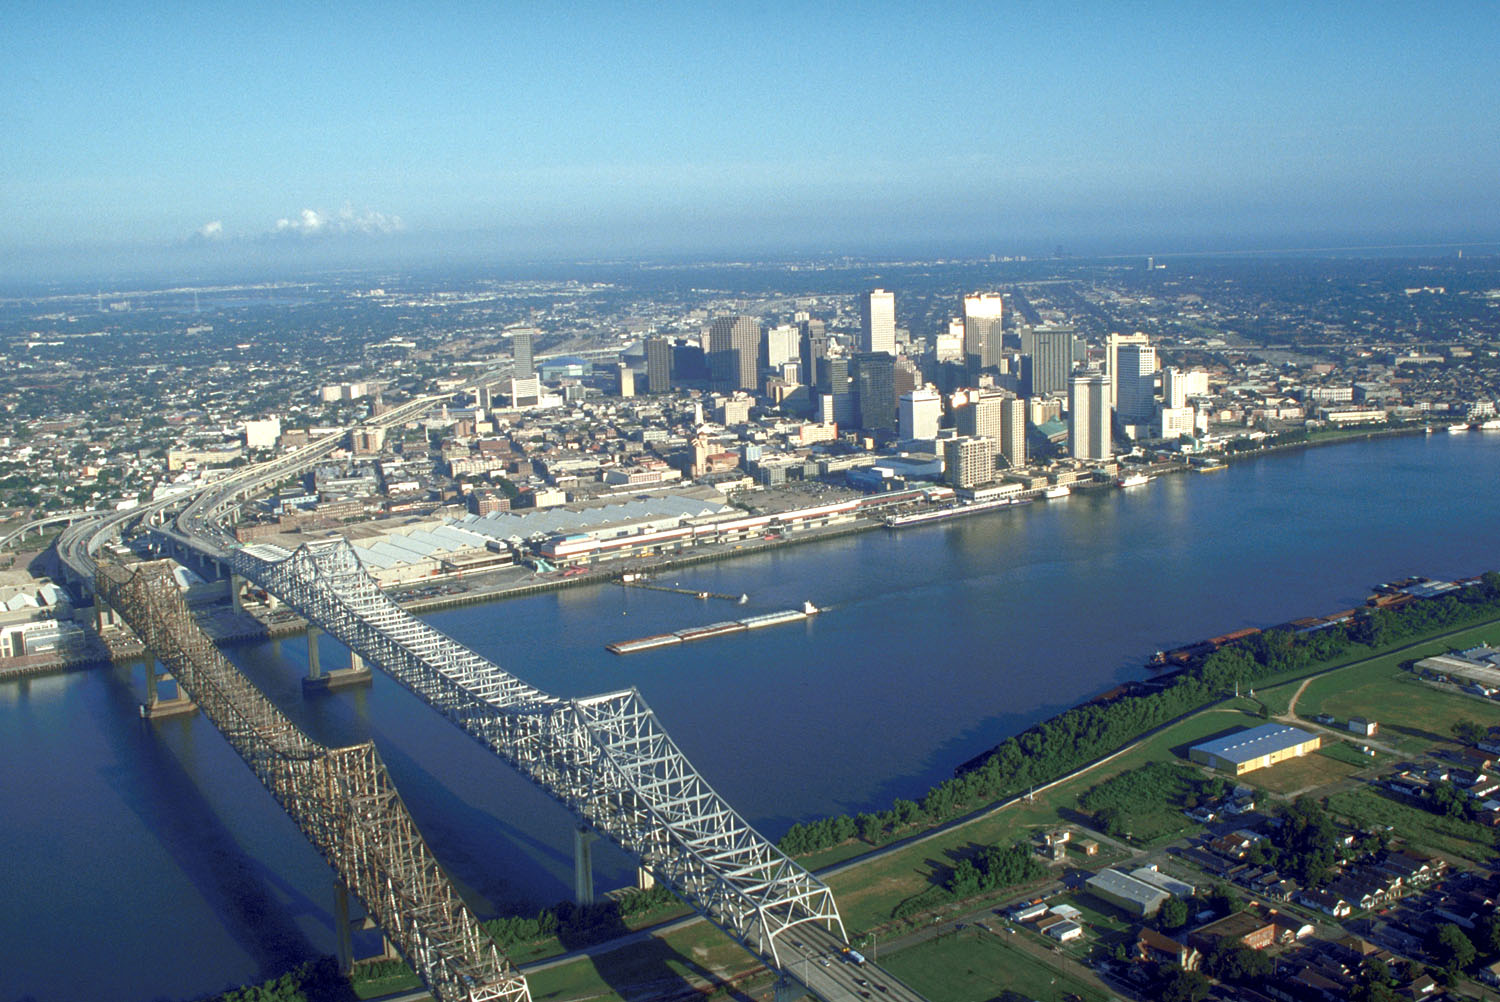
<point>713,630</point>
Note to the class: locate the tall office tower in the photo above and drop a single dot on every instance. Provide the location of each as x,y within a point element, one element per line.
<point>832,374</point>
<point>908,375</point>
<point>782,344</point>
<point>968,462</point>
<point>921,413</point>
<point>658,365</point>
<point>733,352</point>
<point>689,364</point>
<point>1013,431</point>
<point>982,323</point>
<point>1050,350</point>
<point>813,346</point>
<point>875,390</point>
<point>627,379</point>
<point>981,417</point>
<point>1112,364</point>
<point>877,322</point>
<point>520,350</point>
<point>948,346</point>
<point>1135,383</point>
<point>1088,418</point>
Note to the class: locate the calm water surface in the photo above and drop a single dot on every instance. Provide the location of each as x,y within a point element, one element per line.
<point>145,861</point>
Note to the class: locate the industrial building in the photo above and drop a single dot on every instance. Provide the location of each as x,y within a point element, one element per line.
<point>1126,892</point>
<point>1254,748</point>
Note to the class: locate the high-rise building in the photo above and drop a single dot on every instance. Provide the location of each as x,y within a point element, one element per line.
<point>626,377</point>
<point>921,413</point>
<point>813,346</point>
<point>875,390</point>
<point>733,352</point>
<point>1112,363</point>
<point>782,344</point>
<point>520,350</point>
<point>983,316</point>
<point>980,417</point>
<point>658,365</point>
<point>1088,418</point>
<point>1177,386</point>
<point>877,322</point>
<point>1050,350</point>
<point>1135,383</point>
<point>968,462</point>
<point>1013,431</point>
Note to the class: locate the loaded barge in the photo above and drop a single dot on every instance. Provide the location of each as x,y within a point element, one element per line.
<point>713,630</point>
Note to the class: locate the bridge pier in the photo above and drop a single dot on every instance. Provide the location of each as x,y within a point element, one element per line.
<point>789,989</point>
<point>344,927</point>
<point>155,706</point>
<point>644,879</point>
<point>317,681</point>
<point>583,865</point>
<point>236,585</point>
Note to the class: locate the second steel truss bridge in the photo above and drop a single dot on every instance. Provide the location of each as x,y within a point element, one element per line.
<point>341,798</point>
<point>606,758</point>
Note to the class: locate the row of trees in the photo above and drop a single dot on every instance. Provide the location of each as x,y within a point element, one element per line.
<point>1084,733</point>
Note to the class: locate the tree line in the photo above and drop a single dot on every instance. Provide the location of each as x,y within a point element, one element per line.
<point>1075,737</point>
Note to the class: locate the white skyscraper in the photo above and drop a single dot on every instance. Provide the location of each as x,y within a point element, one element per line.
<point>1088,418</point>
<point>921,412</point>
<point>1013,431</point>
<point>1112,364</point>
<point>783,345</point>
<point>877,321</point>
<point>983,316</point>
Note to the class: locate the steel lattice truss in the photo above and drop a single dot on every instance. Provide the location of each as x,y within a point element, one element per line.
<point>341,798</point>
<point>606,758</point>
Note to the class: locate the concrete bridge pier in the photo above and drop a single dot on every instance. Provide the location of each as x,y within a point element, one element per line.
<point>644,879</point>
<point>789,989</point>
<point>583,865</point>
<point>155,706</point>
<point>345,928</point>
<point>318,681</point>
<point>236,587</point>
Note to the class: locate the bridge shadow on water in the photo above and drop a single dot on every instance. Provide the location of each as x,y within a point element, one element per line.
<point>167,799</point>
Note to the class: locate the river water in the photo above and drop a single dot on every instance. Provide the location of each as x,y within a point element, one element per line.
<point>145,861</point>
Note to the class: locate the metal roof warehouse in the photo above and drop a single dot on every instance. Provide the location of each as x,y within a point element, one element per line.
<point>1254,748</point>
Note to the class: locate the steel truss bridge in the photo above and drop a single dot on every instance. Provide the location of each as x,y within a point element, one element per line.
<point>606,758</point>
<point>341,798</point>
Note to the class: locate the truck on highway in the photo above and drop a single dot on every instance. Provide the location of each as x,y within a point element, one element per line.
<point>853,956</point>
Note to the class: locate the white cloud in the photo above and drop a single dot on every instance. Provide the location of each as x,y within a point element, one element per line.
<point>212,230</point>
<point>317,222</point>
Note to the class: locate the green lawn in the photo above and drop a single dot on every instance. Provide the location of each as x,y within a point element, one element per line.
<point>1420,828</point>
<point>1411,713</point>
<point>980,966</point>
<point>1298,774</point>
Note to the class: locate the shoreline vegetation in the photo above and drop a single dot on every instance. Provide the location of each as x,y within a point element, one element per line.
<point>1071,739</point>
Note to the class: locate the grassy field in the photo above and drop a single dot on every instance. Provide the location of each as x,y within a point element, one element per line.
<point>1412,714</point>
<point>867,895</point>
<point>980,966</point>
<point>1420,828</point>
<point>1298,774</point>
<point>696,955</point>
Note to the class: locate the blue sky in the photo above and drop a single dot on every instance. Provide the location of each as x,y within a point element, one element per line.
<point>617,129</point>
